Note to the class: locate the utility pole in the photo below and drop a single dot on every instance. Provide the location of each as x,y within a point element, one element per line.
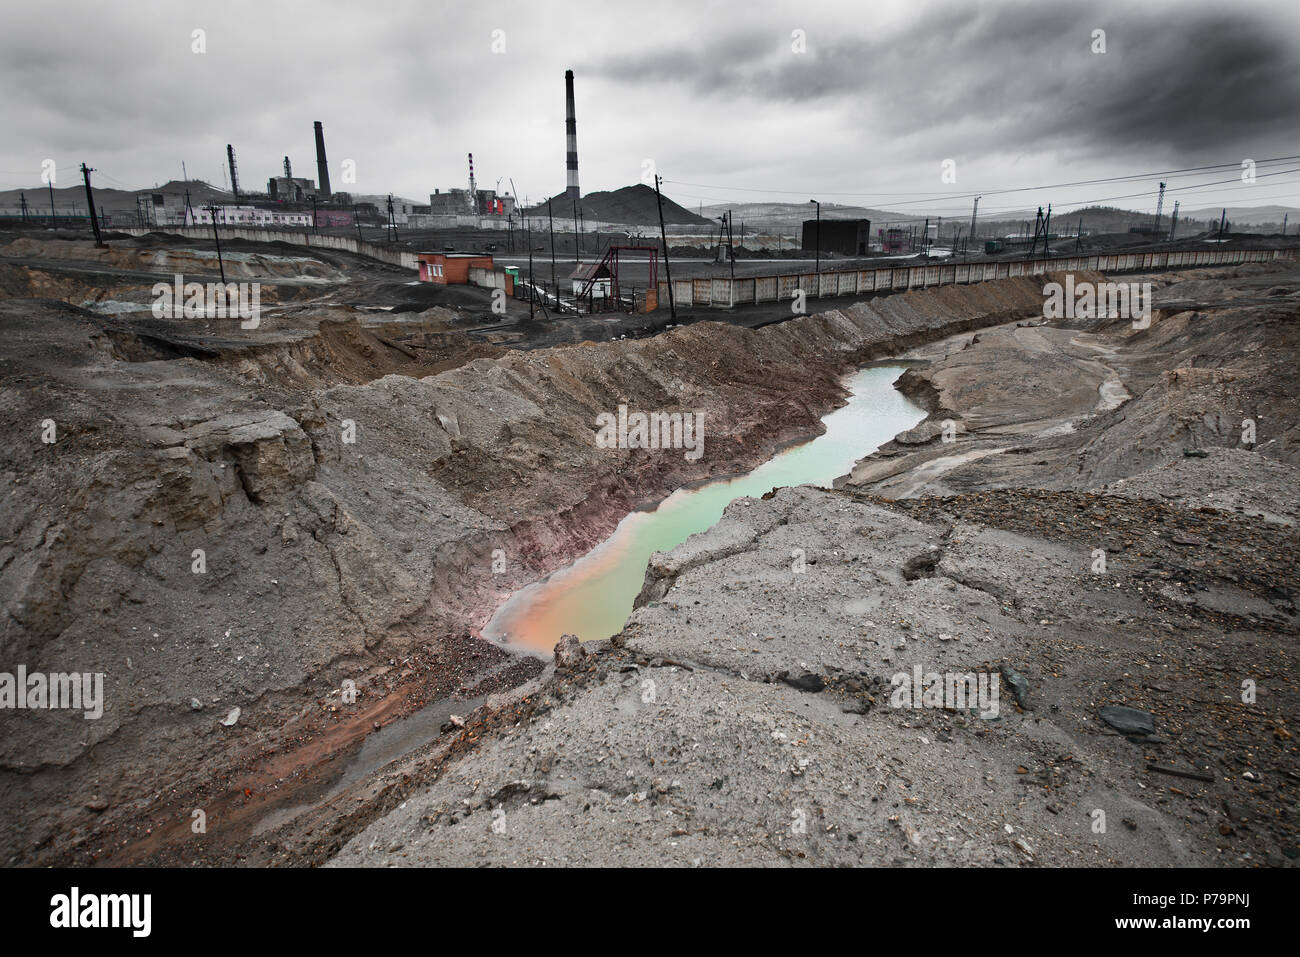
<point>90,204</point>
<point>356,218</point>
<point>22,202</point>
<point>54,217</point>
<point>392,218</point>
<point>973,213</point>
<point>731,254</point>
<point>818,243</point>
<point>1223,219</point>
<point>1038,223</point>
<point>315,226</point>
<point>550,218</point>
<point>532,290</point>
<point>212,211</point>
<point>1173,221</point>
<point>1160,205</point>
<point>663,235</point>
<point>1284,216</point>
<point>724,229</point>
<point>189,210</point>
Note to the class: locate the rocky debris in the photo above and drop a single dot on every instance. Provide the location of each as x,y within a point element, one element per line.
<point>269,449</point>
<point>771,773</point>
<point>922,565</point>
<point>1127,720</point>
<point>1229,480</point>
<point>810,683</point>
<point>569,653</point>
<point>1017,683</point>
<point>1099,404</point>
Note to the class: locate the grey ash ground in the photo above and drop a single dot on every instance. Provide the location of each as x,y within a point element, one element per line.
<point>373,562</point>
<point>771,703</point>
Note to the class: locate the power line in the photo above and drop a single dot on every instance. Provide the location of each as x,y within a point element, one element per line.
<point>1192,187</point>
<point>1186,170</point>
<point>955,210</point>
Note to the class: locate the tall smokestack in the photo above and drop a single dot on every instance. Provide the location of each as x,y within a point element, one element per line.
<point>473,188</point>
<point>234,173</point>
<point>288,169</point>
<point>570,138</point>
<point>322,168</point>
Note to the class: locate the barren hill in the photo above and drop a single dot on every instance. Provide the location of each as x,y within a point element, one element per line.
<point>634,205</point>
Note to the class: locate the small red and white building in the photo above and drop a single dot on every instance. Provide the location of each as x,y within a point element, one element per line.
<point>450,269</point>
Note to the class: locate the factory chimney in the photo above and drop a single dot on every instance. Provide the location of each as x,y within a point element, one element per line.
<point>234,173</point>
<point>322,168</point>
<point>570,138</point>
<point>288,169</point>
<point>473,188</point>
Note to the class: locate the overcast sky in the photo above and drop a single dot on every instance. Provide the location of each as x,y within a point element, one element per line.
<point>716,95</point>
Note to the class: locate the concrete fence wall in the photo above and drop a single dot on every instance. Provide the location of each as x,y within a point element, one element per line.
<point>296,238</point>
<point>754,289</point>
<point>489,278</point>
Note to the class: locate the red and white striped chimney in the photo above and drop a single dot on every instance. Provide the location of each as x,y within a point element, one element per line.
<point>570,138</point>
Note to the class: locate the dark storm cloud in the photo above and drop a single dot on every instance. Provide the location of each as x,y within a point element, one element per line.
<point>710,92</point>
<point>1179,79</point>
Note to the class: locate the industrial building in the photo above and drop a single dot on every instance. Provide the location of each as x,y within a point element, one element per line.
<point>455,202</point>
<point>852,237</point>
<point>450,269</point>
<point>291,189</point>
<point>592,279</point>
<point>895,239</point>
<point>249,216</point>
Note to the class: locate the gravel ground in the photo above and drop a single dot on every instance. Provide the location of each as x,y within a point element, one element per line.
<point>744,716</point>
<point>1098,535</point>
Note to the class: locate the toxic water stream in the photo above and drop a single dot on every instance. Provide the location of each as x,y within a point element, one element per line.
<point>592,597</point>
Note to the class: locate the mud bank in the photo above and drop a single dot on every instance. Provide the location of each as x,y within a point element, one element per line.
<point>219,531</point>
